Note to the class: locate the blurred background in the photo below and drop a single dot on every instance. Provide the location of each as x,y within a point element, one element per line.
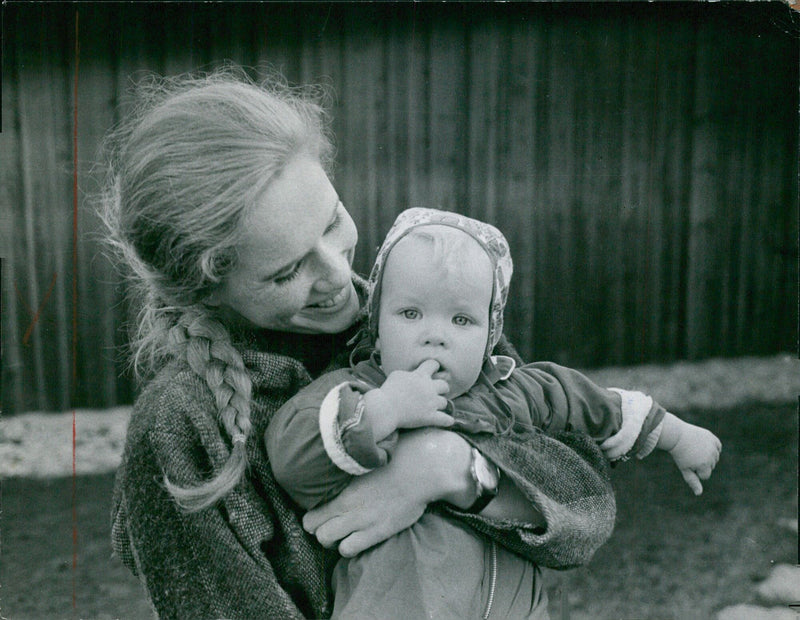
<point>641,159</point>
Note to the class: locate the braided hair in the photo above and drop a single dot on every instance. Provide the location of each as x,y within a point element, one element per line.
<point>185,169</point>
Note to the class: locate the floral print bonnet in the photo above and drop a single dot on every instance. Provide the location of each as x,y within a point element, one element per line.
<point>490,239</point>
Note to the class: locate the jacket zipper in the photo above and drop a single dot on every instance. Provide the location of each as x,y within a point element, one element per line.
<point>492,583</point>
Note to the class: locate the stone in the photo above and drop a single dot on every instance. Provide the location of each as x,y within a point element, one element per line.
<point>753,612</point>
<point>782,586</point>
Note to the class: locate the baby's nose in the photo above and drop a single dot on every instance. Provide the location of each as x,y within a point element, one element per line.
<point>434,340</point>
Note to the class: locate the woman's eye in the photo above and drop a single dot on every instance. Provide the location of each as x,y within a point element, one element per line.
<point>289,276</point>
<point>410,314</point>
<point>337,220</point>
<point>461,321</point>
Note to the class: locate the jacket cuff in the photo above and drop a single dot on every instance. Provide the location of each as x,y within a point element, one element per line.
<point>331,432</point>
<point>635,408</point>
<point>651,431</point>
<point>650,442</point>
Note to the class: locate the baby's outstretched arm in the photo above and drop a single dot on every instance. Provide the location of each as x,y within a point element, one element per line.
<point>695,450</point>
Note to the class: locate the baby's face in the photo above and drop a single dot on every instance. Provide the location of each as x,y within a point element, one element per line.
<point>436,309</point>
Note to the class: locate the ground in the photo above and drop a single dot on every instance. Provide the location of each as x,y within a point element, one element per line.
<point>672,555</point>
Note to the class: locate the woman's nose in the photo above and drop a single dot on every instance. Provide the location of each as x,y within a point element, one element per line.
<point>334,265</point>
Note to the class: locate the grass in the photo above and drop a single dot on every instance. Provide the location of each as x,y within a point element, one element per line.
<point>672,555</point>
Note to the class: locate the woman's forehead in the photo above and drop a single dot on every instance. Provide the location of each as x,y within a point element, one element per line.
<point>289,217</point>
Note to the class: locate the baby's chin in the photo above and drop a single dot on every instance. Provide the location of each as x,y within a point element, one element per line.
<point>455,393</point>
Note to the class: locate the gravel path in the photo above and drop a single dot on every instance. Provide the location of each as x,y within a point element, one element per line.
<point>41,444</point>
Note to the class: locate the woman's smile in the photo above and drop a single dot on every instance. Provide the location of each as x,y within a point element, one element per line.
<point>332,304</point>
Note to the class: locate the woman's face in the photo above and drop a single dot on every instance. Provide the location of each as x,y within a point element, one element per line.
<point>294,264</point>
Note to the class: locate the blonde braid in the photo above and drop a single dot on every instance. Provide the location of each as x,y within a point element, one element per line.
<point>207,348</point>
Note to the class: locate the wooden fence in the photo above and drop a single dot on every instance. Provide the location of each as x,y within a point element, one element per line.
<point>641,158</point>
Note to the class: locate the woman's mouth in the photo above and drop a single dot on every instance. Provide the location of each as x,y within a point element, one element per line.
<point>332,303</point>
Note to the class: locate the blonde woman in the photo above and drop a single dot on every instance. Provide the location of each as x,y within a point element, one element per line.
<point>219,202</point>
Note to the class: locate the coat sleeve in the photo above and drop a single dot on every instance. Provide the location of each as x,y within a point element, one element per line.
<point>561,399</point>
<point>297,454</point>
<point>565,478</point>
<point>319,440</point>
<point>180,567</point>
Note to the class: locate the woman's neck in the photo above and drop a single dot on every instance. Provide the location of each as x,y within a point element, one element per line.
<point>315,351</point>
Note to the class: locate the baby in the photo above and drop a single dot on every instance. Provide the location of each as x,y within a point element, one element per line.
<point>437,294</point>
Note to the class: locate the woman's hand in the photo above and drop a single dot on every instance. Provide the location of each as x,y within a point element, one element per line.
<point>428,465</point>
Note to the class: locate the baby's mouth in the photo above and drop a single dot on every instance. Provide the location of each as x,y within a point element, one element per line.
<point>442,373</point>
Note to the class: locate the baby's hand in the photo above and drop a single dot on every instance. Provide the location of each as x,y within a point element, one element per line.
<point>696,454</point>
<point>409,399</point>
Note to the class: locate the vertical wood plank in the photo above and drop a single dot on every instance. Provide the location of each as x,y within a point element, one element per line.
<point>11,191</point>
<point>516,212</point>
<point>704,195</point>
<point>96,95</point>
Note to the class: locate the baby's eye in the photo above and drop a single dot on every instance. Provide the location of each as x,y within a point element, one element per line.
<point>410,314</point>
<point>461,320</point>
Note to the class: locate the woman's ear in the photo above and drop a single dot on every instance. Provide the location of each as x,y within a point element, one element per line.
<point>212,299</point>
<point>377,346</point>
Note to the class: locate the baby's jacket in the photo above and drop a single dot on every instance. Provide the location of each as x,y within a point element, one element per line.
<point>318,440</point>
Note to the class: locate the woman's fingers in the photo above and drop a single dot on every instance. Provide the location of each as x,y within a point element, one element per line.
<point>313,519</point>
<point>332,531</point>
<point>358,542</point>
<point>440,419</point>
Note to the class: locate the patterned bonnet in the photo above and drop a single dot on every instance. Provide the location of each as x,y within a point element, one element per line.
<point>490,239</point>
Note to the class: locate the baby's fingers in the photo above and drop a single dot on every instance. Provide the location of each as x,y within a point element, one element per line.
<point>704,473</point>
<point>429,418</point>
<point>439,418</point>
<point>693,481</point>
<point>427,368</point>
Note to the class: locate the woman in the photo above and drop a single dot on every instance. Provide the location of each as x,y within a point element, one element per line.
<point>220,203</point>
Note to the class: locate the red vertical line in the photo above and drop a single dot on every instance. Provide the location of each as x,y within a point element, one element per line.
<point>75,310</point>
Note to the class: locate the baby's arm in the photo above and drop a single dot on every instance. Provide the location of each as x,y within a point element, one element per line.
<point>695,450</point>
<point>339,427</point>
<point>627,423</point>
<point>558,398</point>
<point>296,449</point>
